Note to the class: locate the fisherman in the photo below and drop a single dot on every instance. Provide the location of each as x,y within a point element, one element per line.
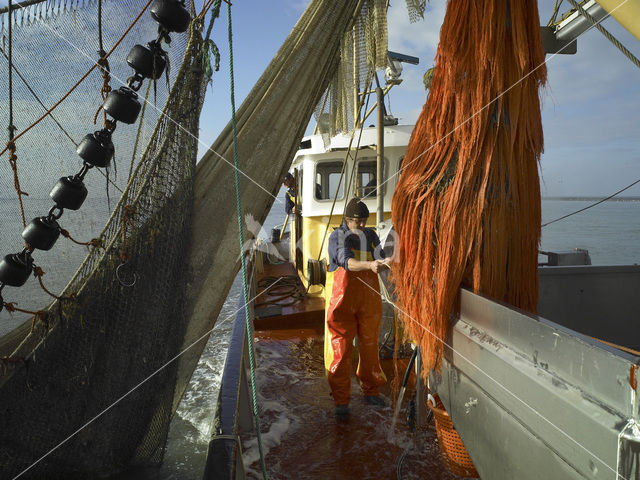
<point>290,196</point>
<point>354,308</point>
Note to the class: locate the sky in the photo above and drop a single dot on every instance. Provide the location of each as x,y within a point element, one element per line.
<point>591,105</point>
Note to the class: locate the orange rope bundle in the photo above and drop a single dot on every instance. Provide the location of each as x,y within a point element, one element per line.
<point>467,205</point>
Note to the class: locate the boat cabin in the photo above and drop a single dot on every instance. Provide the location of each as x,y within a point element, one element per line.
<point>324,187</point>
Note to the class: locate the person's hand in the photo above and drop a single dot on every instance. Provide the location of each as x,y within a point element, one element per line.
<point>377,265</point>
<point>294,210</point>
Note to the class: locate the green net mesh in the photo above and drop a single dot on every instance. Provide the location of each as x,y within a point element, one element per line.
<point>121,317</point>
<point>363,49</point>
<point>416,9</point>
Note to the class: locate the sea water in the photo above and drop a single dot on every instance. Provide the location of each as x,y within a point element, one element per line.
<point>609,231</point>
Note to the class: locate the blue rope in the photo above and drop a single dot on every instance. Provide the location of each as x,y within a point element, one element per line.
<point>242,258</point>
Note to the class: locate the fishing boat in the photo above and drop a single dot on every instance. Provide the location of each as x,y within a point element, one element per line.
<point>91,379</point>
<point>517,395</point>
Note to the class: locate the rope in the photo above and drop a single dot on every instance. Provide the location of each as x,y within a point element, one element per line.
<point>288,287</point>
<point>35,95</point>
<point>205,8</point>
<point>38,272</point>
<point>608,35</point>
<point>38,316</point>
<point>105,69</point>
<point>140,124</point>
<point>64,97</point>
<point>126,220</point>
<point>335,197</point>
<point>592,205</point>
<point>94,242</point>
<point>106,87</point>
<point>26,84</point>
<point>241,240</point>
<point>13,161</point>
<point>554,15</point>
<point>11,146</point>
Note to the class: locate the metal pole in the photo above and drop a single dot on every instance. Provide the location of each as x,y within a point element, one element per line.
<point>380,156</point>
<point>356,83</point>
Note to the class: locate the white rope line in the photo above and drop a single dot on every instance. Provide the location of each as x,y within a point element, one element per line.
<point>197,138</point>
<point>140,384</point>
<point>488,104</point>
<point>497,382</point>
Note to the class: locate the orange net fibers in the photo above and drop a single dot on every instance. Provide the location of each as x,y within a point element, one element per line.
<point>467,204</point>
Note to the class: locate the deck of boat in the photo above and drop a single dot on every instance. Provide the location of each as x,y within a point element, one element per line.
<point>301,436</point>
<point>278,313</point>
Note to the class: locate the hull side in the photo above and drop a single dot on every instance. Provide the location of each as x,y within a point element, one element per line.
<point>531,399</point>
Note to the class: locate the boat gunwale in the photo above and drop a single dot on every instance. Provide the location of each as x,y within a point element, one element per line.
<point>233,407</point>
<point>591,341</point>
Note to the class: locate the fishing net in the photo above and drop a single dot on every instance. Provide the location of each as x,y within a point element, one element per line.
<point>363,48</point>
<point>270,125</point>
<point>467,205</point>
<point>416,9</point>
<point>121,317</point>
<point>169,251</point>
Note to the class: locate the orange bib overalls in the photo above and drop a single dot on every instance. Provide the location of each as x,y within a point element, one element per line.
<point>354,308</point>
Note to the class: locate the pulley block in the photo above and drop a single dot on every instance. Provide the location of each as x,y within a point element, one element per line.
<point>41,233</point>
<point>171,14</point>
<point>15,269</point>
<point>123,105</point>
<point>97,148</point>
<point>148,61</point>
<point>69,192</point>
<point>316,271</point>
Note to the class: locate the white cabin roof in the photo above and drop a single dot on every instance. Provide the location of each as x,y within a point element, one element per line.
<point>394,136</point>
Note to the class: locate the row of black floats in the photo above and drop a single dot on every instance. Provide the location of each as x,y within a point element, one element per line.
<point>96,149</point>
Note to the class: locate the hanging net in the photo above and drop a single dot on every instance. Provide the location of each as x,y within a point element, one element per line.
<point>95,369</point>
<point>416,9</point>
<point>271,123</point>
<point>362,49</point>
<point>121,316</point>
<point>467,204</point>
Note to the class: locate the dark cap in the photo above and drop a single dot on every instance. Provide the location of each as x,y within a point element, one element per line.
<point>288,176</point>
<point>356,209</point>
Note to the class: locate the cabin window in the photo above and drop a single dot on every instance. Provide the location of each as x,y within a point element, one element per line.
<point>327,180</point>
<point>366,179</point>
<point>305,144</point>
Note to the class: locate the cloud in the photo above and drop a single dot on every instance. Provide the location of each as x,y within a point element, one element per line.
<point>295,8</point>
<point>591,118</point>
<point>421,37</point>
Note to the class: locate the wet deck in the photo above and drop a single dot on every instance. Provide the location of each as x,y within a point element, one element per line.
<point>301,436</point>
<point>275,310</point>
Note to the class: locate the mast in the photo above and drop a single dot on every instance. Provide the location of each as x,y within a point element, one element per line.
<point>380,155</point>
